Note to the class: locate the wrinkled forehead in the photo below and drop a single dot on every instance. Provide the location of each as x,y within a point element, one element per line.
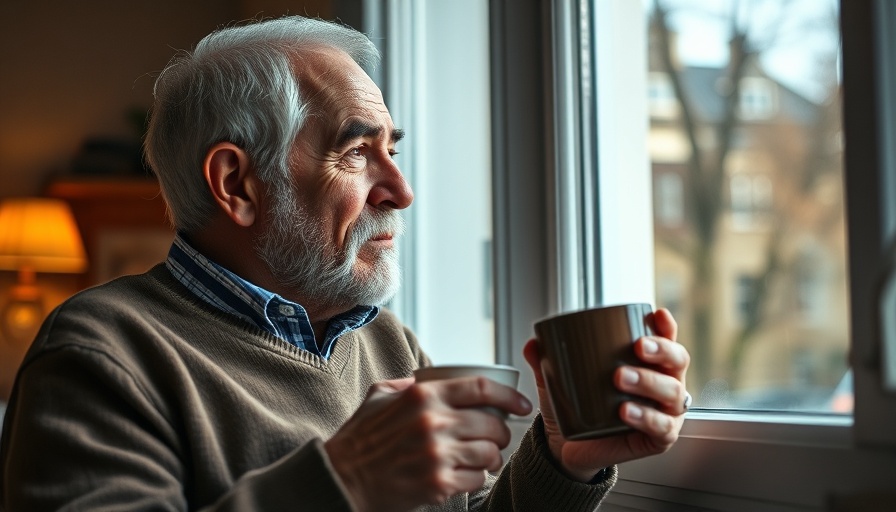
<point>336,87</point>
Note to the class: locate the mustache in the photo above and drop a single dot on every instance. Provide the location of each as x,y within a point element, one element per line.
<point>372,223</point>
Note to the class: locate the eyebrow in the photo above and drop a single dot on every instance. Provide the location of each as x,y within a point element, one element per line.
<point>356,129</point>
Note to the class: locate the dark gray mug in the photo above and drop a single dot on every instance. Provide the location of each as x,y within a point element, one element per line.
<point>580,353</point>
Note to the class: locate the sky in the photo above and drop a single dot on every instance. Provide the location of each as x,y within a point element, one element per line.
<point>798,55</point>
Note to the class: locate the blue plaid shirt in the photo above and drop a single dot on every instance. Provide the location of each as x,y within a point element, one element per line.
<point>230,293</point>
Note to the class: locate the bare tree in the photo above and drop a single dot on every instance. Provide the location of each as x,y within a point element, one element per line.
<point>706,177</point>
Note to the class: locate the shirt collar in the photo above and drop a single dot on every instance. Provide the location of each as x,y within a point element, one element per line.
<point>232,294</point>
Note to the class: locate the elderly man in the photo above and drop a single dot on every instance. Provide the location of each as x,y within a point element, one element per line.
<point>253,370</point>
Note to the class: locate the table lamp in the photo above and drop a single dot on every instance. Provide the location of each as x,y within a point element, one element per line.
<point>36,235</point>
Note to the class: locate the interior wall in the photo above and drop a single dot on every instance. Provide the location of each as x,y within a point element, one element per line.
<point>266,8</point>
<point>71,71</point>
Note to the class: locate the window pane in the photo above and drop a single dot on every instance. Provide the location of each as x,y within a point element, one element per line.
<point>434,72</point>
<point>745,112</point>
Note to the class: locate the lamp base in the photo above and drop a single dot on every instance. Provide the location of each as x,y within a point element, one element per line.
<point>22,315</point>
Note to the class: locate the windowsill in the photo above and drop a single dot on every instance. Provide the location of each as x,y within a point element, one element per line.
<point>788,428</point>
<point>749,460</point>
<point>728,460</point>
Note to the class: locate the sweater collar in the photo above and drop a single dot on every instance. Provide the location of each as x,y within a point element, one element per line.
<point>234,295</point>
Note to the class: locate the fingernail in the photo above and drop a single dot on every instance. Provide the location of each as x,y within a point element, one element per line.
<point>630,376</point>
<point>649,346</point>
<point>635,412</point>
<point>525,403</point>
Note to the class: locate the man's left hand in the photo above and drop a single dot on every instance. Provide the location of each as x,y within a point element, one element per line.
<point>656,429</point>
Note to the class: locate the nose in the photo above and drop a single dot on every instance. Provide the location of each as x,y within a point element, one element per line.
<point>390,189</point>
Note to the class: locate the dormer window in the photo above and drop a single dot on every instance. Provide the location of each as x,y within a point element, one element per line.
<point>661,96</point>
<point>757,98</point>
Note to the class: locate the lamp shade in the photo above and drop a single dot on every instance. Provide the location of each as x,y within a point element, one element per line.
<point>40,235</point>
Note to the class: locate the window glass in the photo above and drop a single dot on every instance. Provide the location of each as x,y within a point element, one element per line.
<point>435,80</point>
<point>750,241</point>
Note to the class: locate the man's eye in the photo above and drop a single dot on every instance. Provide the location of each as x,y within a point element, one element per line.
<point>355,156</point>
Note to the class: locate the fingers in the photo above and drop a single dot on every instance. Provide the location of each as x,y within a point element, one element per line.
<point>661,428</point>
<point>663,380</point>
<point>671,357</point>
<point>407,445</point>
<point>667,391</point>
<point>475,455</point>
<point>481,392</point>
<point>467,425</point>
<point>665,324</point>
<point>458,409</point>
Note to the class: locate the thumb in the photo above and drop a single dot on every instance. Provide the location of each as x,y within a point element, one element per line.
<point>532,353</point>
<point>389,386</point>
<point>665,324</point>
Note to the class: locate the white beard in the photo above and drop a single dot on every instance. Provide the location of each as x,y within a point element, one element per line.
<point>300,257</point>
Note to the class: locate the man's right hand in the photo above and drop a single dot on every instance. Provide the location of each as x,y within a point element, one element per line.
<point>412,444</point>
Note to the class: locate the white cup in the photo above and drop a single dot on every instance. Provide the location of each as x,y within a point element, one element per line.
<point>502,374</point>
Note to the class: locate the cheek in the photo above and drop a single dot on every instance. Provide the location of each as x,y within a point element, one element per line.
<point>344,208</point>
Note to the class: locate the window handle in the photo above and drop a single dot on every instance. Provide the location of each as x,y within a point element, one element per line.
<point>887,320</point>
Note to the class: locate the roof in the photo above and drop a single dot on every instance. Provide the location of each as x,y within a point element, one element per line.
<point>703,85</point>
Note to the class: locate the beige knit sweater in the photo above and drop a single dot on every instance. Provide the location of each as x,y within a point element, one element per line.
<point>137,396</point>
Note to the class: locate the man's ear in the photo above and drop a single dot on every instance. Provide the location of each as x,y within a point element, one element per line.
<point>232,182</point>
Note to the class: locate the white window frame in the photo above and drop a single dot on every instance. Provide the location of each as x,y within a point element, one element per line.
<point>724,460</point>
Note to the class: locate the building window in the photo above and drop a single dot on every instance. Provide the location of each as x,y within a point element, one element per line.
<point>757,98</point>
<point>669,199</point>
<point>661,96</point>
<point>751,200</point>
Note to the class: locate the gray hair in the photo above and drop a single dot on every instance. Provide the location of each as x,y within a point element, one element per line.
<point>238,85</point>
